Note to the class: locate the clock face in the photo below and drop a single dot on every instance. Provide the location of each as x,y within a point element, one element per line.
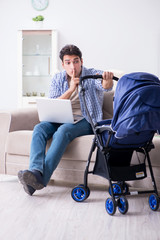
<point>40,4</point>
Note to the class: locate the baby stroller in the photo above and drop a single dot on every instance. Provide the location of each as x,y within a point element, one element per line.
<point>129,133</point>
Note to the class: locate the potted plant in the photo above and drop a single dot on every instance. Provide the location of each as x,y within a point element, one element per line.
<point>38,20</point>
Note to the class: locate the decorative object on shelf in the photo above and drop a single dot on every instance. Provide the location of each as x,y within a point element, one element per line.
<point>40,5</point>
<point>38,18</point>
<point>38,21</point>
<point>34,94</point>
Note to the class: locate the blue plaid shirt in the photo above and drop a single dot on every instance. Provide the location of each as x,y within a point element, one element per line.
<point>93,94</point>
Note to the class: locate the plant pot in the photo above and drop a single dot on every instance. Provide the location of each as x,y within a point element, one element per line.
<point>38,24</point>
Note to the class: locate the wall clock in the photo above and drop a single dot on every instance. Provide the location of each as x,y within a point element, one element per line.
<point>40,4</point>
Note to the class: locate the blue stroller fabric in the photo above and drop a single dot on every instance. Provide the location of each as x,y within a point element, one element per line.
<point>136,114</point>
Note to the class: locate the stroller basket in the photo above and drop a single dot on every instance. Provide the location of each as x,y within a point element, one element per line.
<point>119,173</point>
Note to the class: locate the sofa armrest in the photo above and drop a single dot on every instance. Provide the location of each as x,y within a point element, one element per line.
<point>20,119</point>
<point>5,119</point>
<point>23,119</point>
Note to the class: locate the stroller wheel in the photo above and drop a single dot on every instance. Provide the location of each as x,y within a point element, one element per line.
<point>122,205</point>
<point>153,202</point>
<point>110,205</point>
<point>125,187</point>
<point>87,189</point>
<point>79,193</point>
<point>117,188</point>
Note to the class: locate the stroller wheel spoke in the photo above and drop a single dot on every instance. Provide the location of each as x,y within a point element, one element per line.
<point>87,189</point>
<point>80,193</point>
<point>122,205</point>
<point>124,186</point>
<point>154,202</point>
<point>110,205</point>
<point>117,188</point>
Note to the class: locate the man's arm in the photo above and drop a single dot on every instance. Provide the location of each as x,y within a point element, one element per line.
<point>73,85</point>
<point>66,95</point>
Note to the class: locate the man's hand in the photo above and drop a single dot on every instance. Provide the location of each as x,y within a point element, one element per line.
<point>107,81</point>
<point>74,82</point>
<point>72,87</point>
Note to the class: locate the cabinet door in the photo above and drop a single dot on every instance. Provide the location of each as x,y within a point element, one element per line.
<point>38,62</point>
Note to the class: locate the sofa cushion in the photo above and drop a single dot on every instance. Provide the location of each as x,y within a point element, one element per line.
<point>18,143</point>
<point>23,119</point>
<point>108,105</point>
<point>79,149</point>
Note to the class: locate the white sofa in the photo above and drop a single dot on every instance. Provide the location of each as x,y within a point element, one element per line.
<point>15,138</point>
<point>16,133</point>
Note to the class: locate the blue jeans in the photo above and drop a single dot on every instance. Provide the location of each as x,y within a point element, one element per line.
<point>62,135</point>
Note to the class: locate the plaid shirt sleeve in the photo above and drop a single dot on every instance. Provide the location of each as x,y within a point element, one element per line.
<point>94,96</point>
<point>56,86</point>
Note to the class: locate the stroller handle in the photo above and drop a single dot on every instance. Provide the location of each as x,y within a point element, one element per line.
<point>96,77</point>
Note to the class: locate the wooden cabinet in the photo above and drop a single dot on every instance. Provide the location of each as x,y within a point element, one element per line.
<point>37,63</point>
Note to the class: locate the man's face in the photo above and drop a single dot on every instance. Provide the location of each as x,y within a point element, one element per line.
<point>72,64</point>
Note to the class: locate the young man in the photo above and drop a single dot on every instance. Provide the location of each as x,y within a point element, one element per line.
<point>64,86</point>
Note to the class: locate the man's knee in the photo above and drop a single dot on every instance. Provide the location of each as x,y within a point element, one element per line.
<point>41,128</point>
<point>65,132</point>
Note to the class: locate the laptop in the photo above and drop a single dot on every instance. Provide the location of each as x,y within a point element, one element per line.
<point>56,110</point>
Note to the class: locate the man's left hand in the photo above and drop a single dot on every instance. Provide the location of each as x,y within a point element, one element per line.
<point>107,81</point>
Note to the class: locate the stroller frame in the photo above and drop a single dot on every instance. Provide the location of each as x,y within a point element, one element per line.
<point>118,190</point>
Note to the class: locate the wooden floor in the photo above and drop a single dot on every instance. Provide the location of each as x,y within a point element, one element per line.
<point>51,214</point>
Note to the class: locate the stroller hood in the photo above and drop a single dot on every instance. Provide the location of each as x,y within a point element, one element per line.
<point>136,104</point>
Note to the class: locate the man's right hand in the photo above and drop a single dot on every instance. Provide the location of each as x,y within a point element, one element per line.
<point>73,85</point>
<point>74,82</point>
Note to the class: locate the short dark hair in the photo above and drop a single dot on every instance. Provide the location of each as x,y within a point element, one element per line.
<point>70,50</point>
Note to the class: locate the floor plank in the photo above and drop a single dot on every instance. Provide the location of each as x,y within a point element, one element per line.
<point>51,214</point>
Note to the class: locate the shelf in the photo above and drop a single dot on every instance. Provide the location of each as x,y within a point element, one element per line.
<point>33,97</point>
<point>37,32</point>
<point>37,55</point>
<point>36,76</point>
<point>37,61</point>
<point>30,101</point>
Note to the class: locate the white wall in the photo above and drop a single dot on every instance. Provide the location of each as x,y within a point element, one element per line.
<point>119,34</point>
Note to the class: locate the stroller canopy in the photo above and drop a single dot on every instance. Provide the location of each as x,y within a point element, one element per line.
<point>136,104</point>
